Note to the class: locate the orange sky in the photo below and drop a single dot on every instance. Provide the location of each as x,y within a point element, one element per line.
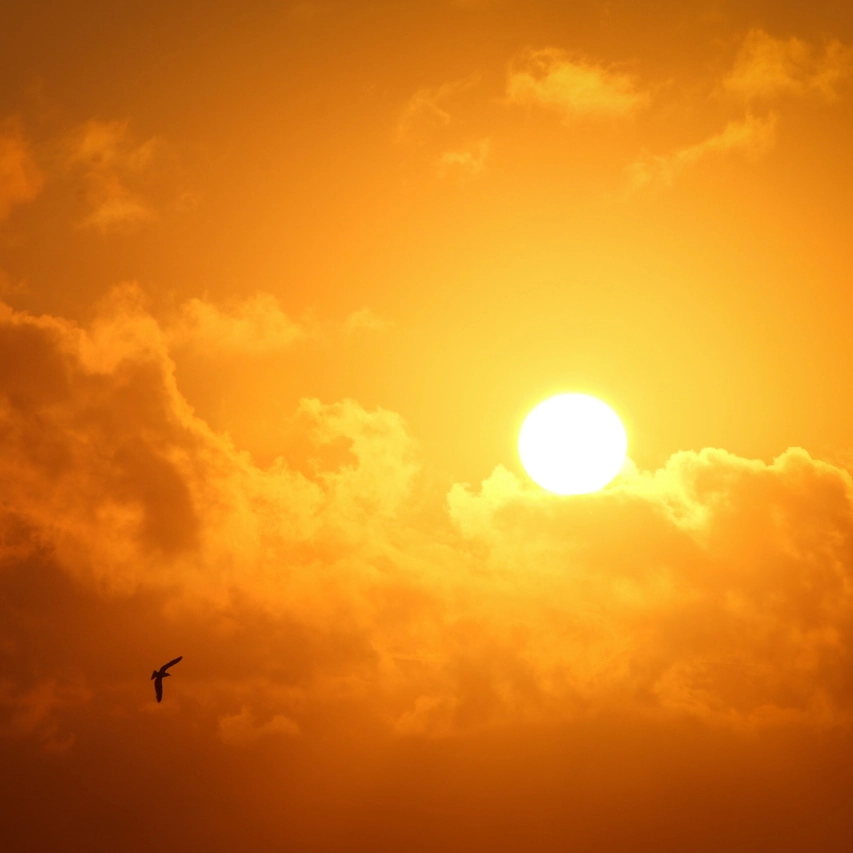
<point>279,283</point>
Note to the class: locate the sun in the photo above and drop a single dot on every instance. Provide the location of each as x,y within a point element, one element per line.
<point>572,444</point>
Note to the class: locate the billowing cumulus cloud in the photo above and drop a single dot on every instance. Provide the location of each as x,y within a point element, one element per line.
<point>575,88</point>
<point>20,178</point>
<point>767,67</point>
<point>751,137</point>
<point>367,236</point>
<point>726,594</point>
<point>716,588</point>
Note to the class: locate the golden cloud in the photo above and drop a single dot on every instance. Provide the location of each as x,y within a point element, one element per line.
<point>752,137</point>
<point>716,588</point>
<point>575,88</point>
<point>768,67</point>
<point>255,325</point>
<point>111,160</point>
<point>364,321</point>
<point>465,162</point>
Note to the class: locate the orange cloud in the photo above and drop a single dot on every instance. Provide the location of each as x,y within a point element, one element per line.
<point>427,109</point>
<point>768,67</point>
<point>364,320</point>
<point>20,178</point>
<point>255,325</point>
<point>465,162</point>
<point>752,137</point>
<point>111,160</point>
<point>575,88</point>
<point>242,728</point>
<point>33,711</point>
<point>725,595</point>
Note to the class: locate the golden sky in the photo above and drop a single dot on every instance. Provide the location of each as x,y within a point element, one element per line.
<point>279,283</point>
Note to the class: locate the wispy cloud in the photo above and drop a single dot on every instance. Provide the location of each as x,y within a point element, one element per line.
<point>428,109</point>
<point>750,137</point>
<point>243,727</point>
<point>111,161</point>
<point>20,178</point>
<point>35,710</point>
<point>467,162</point>
<point>575,88</point>
<point>255,325</point>
<point>364,321</point>
<point>767,67</point>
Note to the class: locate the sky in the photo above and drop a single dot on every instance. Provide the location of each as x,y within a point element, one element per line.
<point>279,284</point>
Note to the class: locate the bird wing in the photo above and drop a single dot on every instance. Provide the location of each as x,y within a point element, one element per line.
<point>158,688</point>
<point>171,663</point>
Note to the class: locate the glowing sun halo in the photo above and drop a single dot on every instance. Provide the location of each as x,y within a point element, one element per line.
<point>572,444</point>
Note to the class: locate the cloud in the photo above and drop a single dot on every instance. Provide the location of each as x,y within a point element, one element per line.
<point>256,326</point>
<point>427,109</point>
<point>20,178</point>
<point>465,162</point>
<point>364,321</point>
<point>768,68</point>
<point>12,287</point>
<point>107,143</point>
<point>243,728</point>
<point>358,589</point>
<point>115,207</point>
<point>731,601</point>
<point>751,137</point>
<point>110,161</point>
<point>32,711</point>
<point>575,88</point>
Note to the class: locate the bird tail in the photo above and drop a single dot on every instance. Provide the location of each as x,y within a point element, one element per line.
<point>154,675</point>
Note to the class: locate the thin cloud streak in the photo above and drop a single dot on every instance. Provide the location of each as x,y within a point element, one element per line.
<point>751,137</point>
<point>428,109</point>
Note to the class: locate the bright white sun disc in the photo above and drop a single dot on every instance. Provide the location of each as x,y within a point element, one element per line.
<point>572,444</point>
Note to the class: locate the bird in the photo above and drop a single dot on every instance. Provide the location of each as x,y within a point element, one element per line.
<point>159,674</point>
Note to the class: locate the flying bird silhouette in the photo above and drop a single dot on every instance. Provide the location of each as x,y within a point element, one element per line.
<point>159,674</point>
